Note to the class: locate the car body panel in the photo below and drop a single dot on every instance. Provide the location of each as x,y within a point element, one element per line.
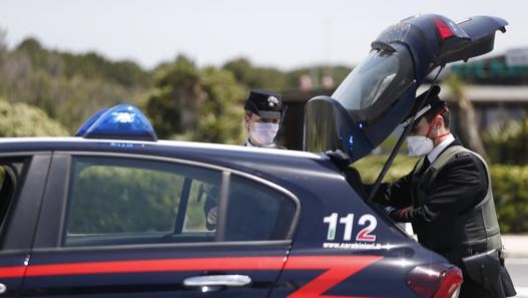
<point>152,270</point>
<point>159,270</point>
<point>19,218</point>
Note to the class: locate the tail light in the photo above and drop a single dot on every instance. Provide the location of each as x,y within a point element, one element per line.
<point>435,281</point>
<point>443,28</point>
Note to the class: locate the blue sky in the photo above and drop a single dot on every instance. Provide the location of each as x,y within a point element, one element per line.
<point>278,33</point>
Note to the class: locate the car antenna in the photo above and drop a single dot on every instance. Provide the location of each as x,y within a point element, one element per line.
<point>399,143</point>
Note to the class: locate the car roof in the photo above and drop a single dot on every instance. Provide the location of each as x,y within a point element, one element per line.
<point>77,143</point>
<point>272,164</point>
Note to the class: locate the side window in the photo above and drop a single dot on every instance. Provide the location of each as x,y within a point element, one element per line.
<point>10,178</point>
<point>257,212</point>
<point>123,201</point>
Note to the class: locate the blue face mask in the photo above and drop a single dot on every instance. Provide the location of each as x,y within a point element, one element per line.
<point>263,133</point>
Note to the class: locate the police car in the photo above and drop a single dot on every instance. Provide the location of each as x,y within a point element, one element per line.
<point>114,212</point>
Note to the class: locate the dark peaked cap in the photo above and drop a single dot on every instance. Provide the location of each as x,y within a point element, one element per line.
<point>264,103</point>
<point>430,105</point>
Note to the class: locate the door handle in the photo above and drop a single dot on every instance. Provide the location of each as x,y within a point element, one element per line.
<point>217,280</point>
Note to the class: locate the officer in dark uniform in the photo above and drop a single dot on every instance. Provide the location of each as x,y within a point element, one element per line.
<point>448,199</point>
<point>264,114</point>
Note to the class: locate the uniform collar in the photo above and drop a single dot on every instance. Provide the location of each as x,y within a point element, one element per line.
<point>433,155</point>
<point>248,144</point>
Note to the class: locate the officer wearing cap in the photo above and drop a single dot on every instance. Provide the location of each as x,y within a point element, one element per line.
<point>448,199</point>
<point>264,113</point>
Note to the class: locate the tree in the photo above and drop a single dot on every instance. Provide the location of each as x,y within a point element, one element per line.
<point>3,45</point>
<point>22,120</point>
<point>196,104</point>
<point>269,78</point>
<point>174,105</point>
<point>465,116</point>
<point>507,142</point>
<point>256,77</point>
<point>69,88</point>
<point>222,112</point>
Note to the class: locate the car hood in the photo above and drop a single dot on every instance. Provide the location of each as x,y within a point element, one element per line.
<point>380,92</point>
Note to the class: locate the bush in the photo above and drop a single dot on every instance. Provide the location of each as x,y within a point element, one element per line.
<point>511,197</point>
<point>370,167</point>
<point>22,120</point>
<point>507,142</point>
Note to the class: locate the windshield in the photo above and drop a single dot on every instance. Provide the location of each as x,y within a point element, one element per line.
<point>364,85</point>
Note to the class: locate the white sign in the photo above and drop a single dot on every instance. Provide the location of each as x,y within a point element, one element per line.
<point>517,57</point>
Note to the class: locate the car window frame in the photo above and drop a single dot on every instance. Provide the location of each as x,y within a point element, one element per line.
<point>18,230</point>
<point>56,198</point>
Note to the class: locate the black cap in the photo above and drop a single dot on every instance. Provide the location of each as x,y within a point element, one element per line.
<point>265,104</point>
<point>430,105</point>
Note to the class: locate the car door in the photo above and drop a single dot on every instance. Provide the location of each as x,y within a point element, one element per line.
<point>126,225</point>
<point>22,181</point>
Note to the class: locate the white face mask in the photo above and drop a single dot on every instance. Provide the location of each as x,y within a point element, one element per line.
<point>419,145</point>
<point>263,133</point>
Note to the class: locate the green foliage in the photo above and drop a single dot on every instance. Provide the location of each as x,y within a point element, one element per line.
<point>511,197</point>
<point>268,78</point>
<point>69,88</point>
<point>128,200</point>
<point>507,142</point>
<point>371,166</point>
<point>455,84</point>
<point>93,212</point>
<point>196,104</point>
<point>182,100</point>
<point>3,42</point>
<point>222,111</point>
<point>22,120</point>
<point>89,66</point>
<point>256,77</point>
<point>173,106</point>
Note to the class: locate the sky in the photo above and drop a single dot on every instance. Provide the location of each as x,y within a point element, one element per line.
<point>284,34</point>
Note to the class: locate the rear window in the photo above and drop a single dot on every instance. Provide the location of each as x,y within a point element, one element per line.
<point>364,85</point>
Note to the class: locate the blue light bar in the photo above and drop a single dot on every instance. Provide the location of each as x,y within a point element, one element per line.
<point>122,122</point>
<point>82,131</point>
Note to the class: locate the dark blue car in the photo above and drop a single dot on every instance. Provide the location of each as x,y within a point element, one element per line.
<point>115,212</point>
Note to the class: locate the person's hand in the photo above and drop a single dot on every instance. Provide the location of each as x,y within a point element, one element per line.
<point>389,210</point>
<point>212,215</point>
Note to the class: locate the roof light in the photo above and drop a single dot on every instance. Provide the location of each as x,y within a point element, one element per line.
<point>443,28</point>
<point>123,121</point>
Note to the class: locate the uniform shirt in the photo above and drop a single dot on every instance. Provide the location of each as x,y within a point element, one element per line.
<point>433,155</point>
<point>272,145</point>
<point>248,144</point>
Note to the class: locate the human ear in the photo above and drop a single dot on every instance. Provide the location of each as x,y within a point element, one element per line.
<point>439,121</point>
<point>246,122</point>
